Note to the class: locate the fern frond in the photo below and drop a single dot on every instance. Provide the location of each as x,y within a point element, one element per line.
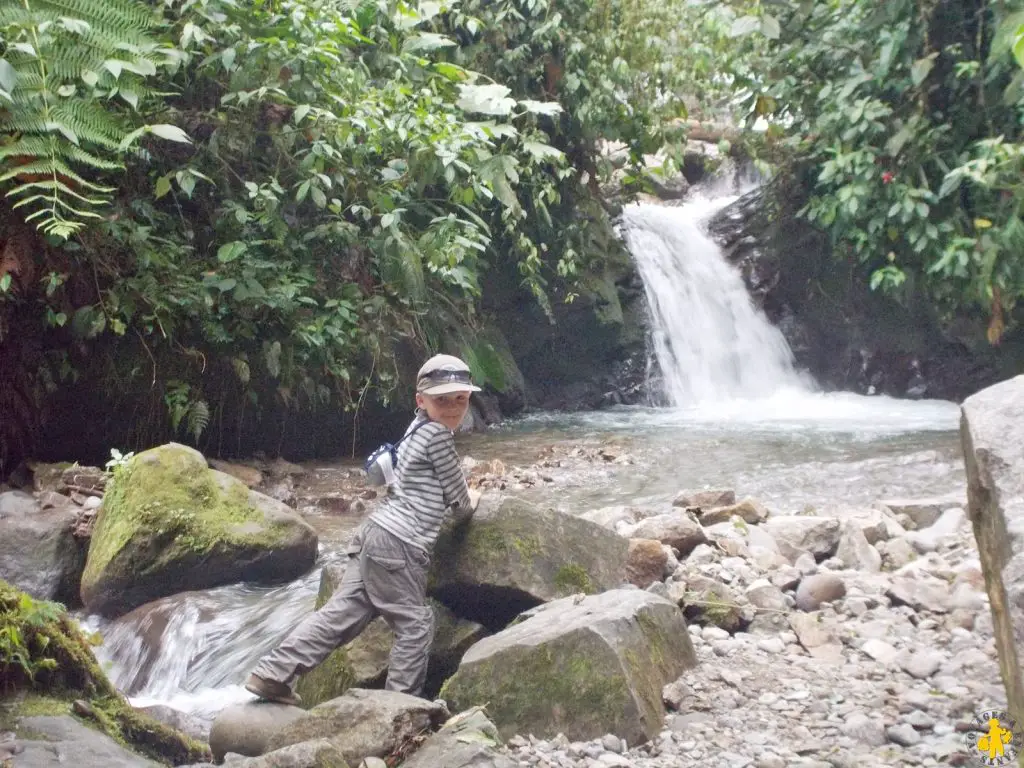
<point>198,418</point>
<point>404,266</point>
<point>123,16</point>
<point>60,136</point>
<point>54,186</point>
<point>36,146</point>
<point>58,167</point>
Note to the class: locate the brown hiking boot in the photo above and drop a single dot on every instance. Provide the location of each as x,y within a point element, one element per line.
<point>271,690</point>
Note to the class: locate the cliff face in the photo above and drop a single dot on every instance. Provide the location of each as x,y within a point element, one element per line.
<point>849,337</point>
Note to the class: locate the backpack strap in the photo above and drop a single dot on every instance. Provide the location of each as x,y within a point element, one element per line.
<point>410,433</point>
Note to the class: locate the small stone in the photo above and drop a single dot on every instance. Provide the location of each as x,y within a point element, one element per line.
<point>922,721</point>
<point>923,664</point>
<point>903,734</point>
<point>864,729</point>
<point>612,744</point>
<point>817,589</point>
<point>879,650</point>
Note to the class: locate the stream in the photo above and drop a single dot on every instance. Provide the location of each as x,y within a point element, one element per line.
<point>740,418</point>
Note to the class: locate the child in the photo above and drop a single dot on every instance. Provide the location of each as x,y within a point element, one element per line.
<point>390,554</point>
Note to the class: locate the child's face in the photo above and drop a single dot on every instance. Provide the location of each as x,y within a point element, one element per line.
<point>448,409</point>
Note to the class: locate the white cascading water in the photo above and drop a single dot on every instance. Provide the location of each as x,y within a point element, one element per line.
<point>711,343</point>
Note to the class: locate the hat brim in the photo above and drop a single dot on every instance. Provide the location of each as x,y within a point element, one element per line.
<point>449,387</point>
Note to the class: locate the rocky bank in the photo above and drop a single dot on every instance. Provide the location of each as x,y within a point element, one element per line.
<point>712,630</point>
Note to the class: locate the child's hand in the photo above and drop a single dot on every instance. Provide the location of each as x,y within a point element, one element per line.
<point>474,498</point>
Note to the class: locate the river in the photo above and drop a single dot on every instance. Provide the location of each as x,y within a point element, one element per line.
<point>740,417</point>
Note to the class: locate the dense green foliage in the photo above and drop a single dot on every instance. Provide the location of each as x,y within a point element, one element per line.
<point>306,184</point>
<point>905,118</point>
<point>237,207</point>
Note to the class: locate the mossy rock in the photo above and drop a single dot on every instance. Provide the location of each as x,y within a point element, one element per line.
<point>170,524</point>
<point>513,555</point>
<point>363,663</point>
<point>53,673</point>
<point>584,667</point>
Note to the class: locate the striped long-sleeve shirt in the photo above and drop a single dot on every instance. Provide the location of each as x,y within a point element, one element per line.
<point>429,480</point>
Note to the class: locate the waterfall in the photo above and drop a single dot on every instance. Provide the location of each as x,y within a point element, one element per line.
<point>711,343</point>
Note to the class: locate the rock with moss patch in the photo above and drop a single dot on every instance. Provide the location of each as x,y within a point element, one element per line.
<point>467,740</point>
<point>363,663</point>
<point>171,524</point>
<point>58,676</point>
<point>582,666</point>
<point>513,555</point>
<point>57,739</point>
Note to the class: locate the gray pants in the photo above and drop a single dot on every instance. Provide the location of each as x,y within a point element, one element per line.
<point>385,577</point>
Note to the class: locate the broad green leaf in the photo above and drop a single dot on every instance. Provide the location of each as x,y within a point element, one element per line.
<point>486,99</point>
<point>541,151</point>
<point>5,282</point>
<point>163,186</point>
<point>114,67</point>
<point>452,71</point>
<point>1006,35</point>
<point>744,25</point>
<point>228,58</point>
<point>1018,46</point>
<point>426,41</point>
<point>8,76</point>
<point>982,223</point>
<point>770,27</point>
<point>550,108</point>
<point>919,71</point>
<point>90,78</point>
<point>169,132</point>
<point>300,112</point>
<point>231,251</point>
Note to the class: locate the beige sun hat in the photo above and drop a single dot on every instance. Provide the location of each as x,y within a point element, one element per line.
<point>444,374</point>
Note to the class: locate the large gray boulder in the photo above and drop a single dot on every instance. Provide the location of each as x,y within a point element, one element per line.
<point>38,551</point>
<point>514,555</point>
<point>170,524</point>
<point>582,666</point>
<point>363,663</point>
<point>993,444</point>
<point>364,723</point>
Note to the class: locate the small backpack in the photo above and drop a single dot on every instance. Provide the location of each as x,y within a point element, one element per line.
<point>382,464</point>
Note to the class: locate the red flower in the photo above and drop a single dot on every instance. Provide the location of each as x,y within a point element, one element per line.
<point>887,177</point>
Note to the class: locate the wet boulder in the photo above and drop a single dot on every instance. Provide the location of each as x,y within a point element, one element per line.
<point>247,728</point>
<point>513,555</point>
<point>364,723</point>
<point>38,550</point>
<point>62,738</point>
<point>170,524</point>
<point>363,663</point>
<point>993,447</point>
<point>582,666</point>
